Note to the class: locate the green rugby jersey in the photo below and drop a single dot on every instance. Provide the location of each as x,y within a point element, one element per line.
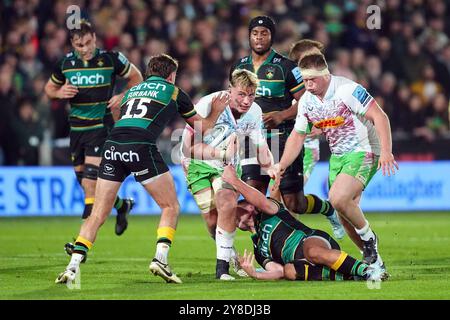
<point>279,78</point>
<point>150,105</point>
<point>95,82</point>
<point>278,237</point>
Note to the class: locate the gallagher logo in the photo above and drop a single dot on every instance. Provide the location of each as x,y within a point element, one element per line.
<point>330,123</point>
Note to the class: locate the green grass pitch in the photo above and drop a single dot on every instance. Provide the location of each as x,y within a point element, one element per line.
<point>414,246</point>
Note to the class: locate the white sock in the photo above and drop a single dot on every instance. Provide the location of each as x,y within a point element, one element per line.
<point>365,233</point>
<point>75,261</point>
<point>162,251</point>
<point>224,244</point>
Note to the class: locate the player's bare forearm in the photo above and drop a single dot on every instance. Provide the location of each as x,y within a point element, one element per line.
<point>382,126</point>
<point>273,270</point>
<point>269,275</point>
<point>291,112</point>
<point>51,90</point>
<point>265,157</point>
<point>294,145</point>
<point>134,78</point>
<point>252,195</point>
<point>65,91</point>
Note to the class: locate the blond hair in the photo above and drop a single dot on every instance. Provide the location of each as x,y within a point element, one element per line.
<point>244,78</point>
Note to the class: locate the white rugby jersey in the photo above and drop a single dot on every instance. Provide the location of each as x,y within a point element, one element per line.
<point>312,143</point>
<point>340,116</point>
<point>249,124</point>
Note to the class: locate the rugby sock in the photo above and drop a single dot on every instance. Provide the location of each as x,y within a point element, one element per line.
<point>348,265</point>
<point>162,251</point>
<point>120,205</point>
<point>88,204</point>
<point>316,205</point>
<point>224,244</point>
<point>308,272</point>
<point>164,240</point>
<point>365,232</point>
<point>80,250</point>
<point>75,261</point>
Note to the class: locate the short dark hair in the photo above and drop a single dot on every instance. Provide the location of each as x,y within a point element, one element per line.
<point>84,29</point>
<point>313,61</point>
<point>161,65</point>
<point>301,46</point>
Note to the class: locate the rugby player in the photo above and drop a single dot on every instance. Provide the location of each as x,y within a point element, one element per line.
<point>359,135</point>
<point>280,81</point>
<point>86,77</point>
<point>131,148</point>
<point>311,156</point>
<point>203,162</point>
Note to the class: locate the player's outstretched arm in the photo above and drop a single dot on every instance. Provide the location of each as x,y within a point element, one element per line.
<point>265,157</point>
<point>273,270</point>
<point>381,121</point>
<point>294,145</point>
<point>252,195</point>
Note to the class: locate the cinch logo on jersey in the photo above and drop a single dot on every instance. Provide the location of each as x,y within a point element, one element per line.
<point>128,156</point>
<point>149,86</point>
<point>263,91</point>
<point>265,237</point>
<point>330,123</point>
<point>81,80</point>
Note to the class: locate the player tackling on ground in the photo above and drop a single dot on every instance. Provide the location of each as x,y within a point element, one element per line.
<point>286,248</point>
<point>359,136</point>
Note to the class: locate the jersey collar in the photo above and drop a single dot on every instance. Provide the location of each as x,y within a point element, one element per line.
<point>156,78</point>
<point>329,92</point>
<point>269,57</point>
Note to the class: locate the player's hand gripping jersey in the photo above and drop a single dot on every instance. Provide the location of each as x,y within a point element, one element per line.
<point>249,124</point>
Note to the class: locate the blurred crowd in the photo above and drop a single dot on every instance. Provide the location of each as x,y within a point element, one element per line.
<point>405,64</point>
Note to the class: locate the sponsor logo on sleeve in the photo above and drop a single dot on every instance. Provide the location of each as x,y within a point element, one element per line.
<point>297,74</point>
<point>122,58</point>
<point>362,95</point>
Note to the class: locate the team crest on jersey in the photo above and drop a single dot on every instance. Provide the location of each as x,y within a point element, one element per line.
<point>270,73</point>
<point>100,62</point>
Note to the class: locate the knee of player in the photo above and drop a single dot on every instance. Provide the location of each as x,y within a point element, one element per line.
<point>295,204</point>
<point>313,254</point>
<point>338,202</point>
<point>289,272</point>
<point>225,205</point>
